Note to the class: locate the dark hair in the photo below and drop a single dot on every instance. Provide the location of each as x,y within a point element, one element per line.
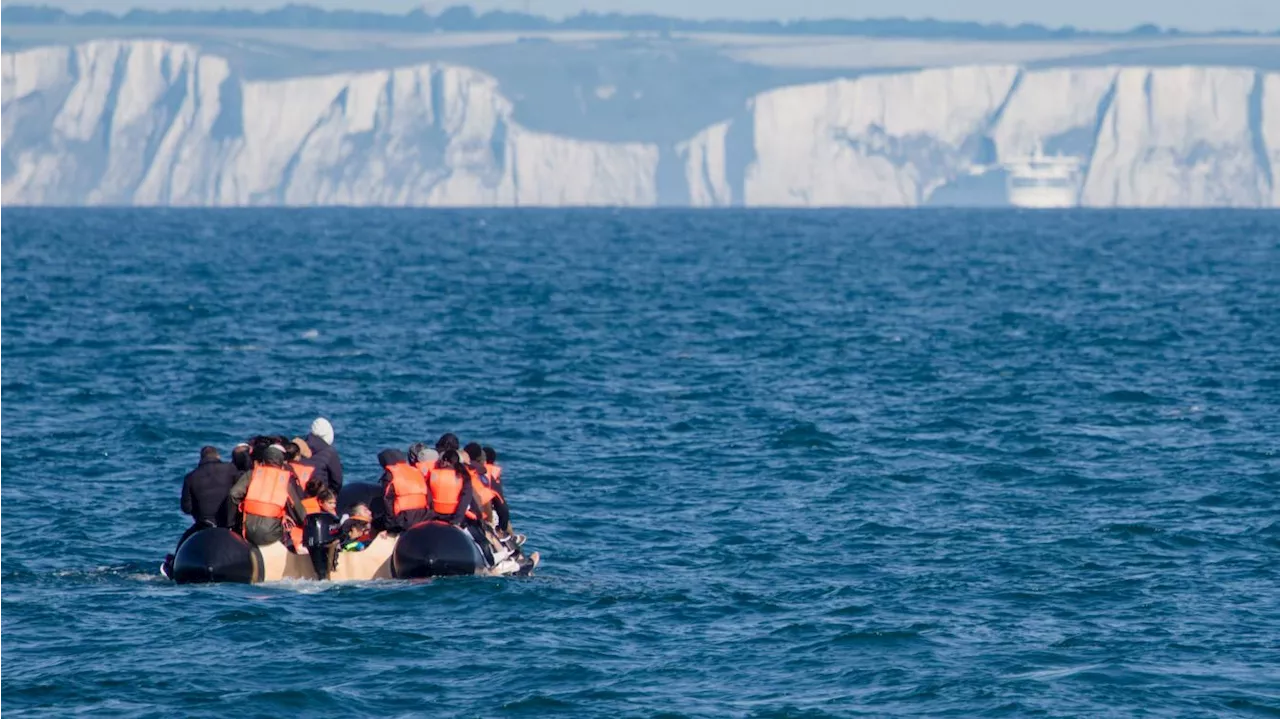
<point>209,454</point>
<point>240,457</point>
<point>388,457</point>
<point>490,455</point>
<point>447,441</point>
<point>416,450</point>
<point>448,458</point>
<point>315,486</point>
<point>290,451</point>
<point>474,451</point>
<point>326,495</point>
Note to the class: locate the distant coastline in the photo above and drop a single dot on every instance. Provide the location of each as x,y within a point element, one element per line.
<point>464,19</point>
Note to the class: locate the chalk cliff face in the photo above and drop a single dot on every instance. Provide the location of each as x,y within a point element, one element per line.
<point>154,123</point>
<point>147,122</point>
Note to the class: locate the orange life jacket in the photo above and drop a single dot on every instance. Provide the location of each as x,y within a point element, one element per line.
<point>304,472</point>
<point>494,471</point>
<point>410,487</point>
<point>311,505</point>
<point>483,488</point>
<point>424,466</point>
<point>268,492</point>
<point>446,490</point>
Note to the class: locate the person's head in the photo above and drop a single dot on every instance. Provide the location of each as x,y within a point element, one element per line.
<point>241,457</point>
<point>327,500</point>
<point>447,441</point>
<point>322,429</point>
<point>301,448</point>
<point>315,486</point>
<point>258,445</point>
<point>273,455</point>
<point>209,454</point>
<point>290,451</point>
<point>448,458</point>
<point>474,452</point>
<point>388,457</point>
<point>490,455</point>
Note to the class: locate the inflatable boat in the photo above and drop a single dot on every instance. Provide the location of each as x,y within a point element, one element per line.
<point>428,549</point>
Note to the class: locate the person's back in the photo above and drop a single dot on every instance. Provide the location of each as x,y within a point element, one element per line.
<point>449,492</point>
<point>324,457</point>
<point>299,452</point>
<point>267,495</point>
<point>404,491</point>
<point>205,489</point>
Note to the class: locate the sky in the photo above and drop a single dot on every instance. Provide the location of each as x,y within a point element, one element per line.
<point>1194,15</point>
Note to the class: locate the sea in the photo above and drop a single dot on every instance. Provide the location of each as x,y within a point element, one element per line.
<point>968,463</point>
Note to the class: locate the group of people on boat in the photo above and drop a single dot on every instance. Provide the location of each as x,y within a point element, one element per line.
<point>273,484</point>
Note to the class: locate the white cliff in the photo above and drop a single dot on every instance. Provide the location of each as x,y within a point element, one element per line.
<point>705,170</point>
<point>1269,111</point>
<point>154,123</point>
<point>1178,137</point>
<point>160,123</point>
<point>880,140</point>
<point>1049,105</point>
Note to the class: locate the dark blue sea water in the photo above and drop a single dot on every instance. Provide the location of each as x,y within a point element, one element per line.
<point>812,464</point>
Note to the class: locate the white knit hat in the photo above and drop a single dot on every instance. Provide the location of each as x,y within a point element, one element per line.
<point>322,429</point>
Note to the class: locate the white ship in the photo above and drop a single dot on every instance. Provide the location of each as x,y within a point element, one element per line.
<point>1042,181</point>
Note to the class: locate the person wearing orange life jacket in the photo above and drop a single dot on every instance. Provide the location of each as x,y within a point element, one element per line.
<point>299,453</point>
<point>493,469</point>
<point>296,452</point>
<point>268,496</point>
<point>449,492</point>
<point>404,491</point>
<point>487,496</point>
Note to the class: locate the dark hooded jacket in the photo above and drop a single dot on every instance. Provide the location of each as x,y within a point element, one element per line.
<point>205,490</point>
<point>326,461</point>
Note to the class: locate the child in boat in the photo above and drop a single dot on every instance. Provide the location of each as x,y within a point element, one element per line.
<point>357,531</point>
<point>328,501</point>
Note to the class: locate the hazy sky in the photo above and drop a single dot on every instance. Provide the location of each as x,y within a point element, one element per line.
<point>1097,14</point>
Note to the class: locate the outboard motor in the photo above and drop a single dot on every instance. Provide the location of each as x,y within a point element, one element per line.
<point>216,555</point>
<point>319,536</point>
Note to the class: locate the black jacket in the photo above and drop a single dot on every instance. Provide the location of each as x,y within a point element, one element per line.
<point>205,490</point>
<point>326,461</point>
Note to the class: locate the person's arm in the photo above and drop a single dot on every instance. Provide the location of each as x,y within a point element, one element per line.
<point>296,509</point>
<point>186,497</point>
<point>466,501</point>
<point>236,496</point>
<point>240,489</point>
<point>388,503</point>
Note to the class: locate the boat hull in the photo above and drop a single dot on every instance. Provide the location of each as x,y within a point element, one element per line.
<point>428,549</point>
<point>220,555</point>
